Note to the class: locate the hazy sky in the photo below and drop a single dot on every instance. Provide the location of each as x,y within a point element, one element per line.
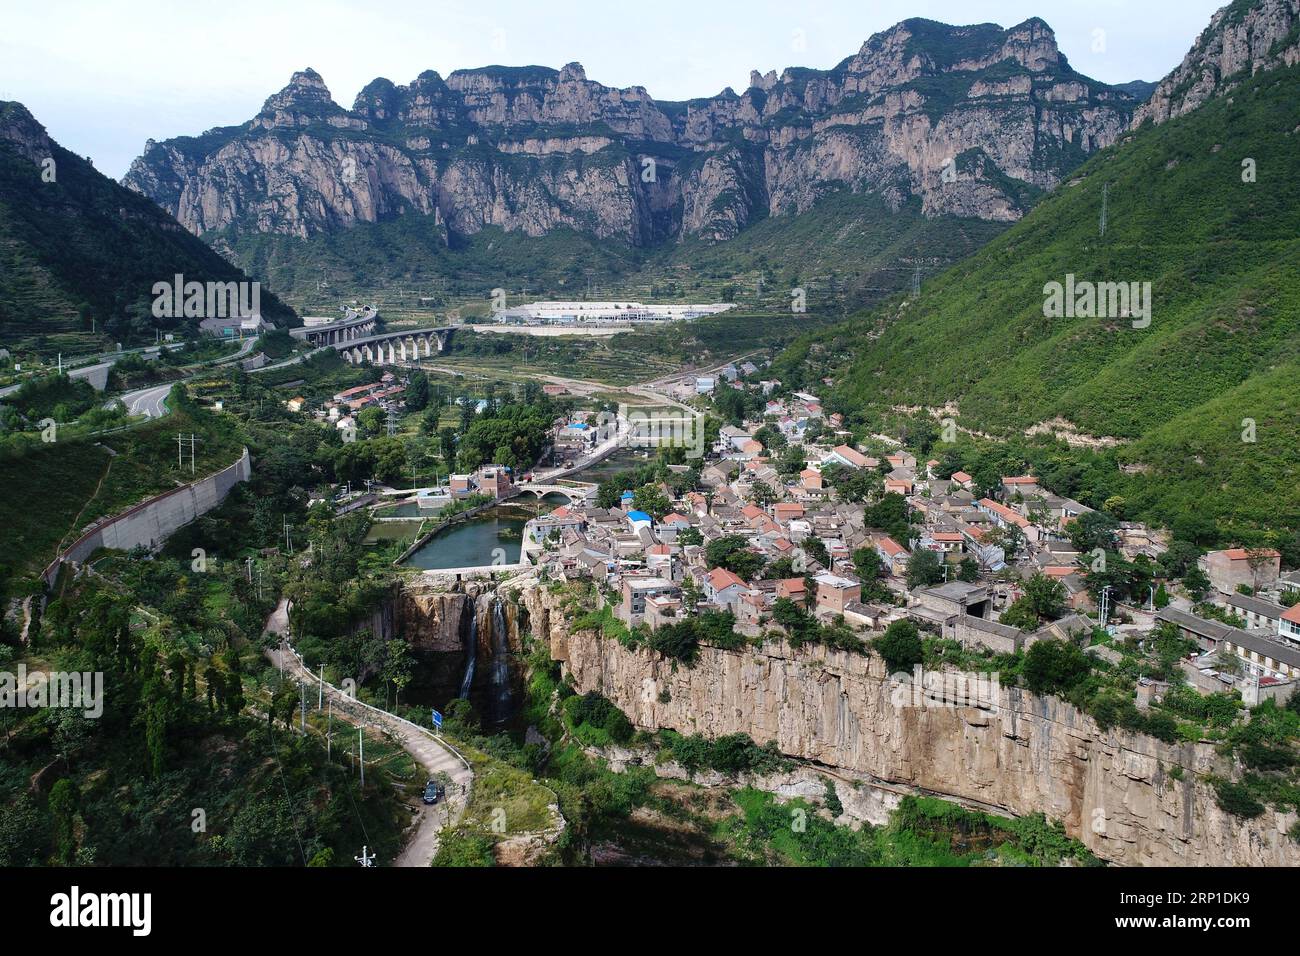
<point>105,75</point>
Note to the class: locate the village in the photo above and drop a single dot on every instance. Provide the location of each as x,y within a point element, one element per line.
<point>787,512</point>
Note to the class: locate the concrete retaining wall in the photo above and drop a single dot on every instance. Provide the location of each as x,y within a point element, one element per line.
<point>152,522</point>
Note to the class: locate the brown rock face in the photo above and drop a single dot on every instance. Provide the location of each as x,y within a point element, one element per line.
<point>953,115</point>
<point>1111,789</point>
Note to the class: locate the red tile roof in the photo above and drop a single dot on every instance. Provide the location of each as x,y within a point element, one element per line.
<point>720,579</point>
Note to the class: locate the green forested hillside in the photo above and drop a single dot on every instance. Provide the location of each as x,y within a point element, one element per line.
<point>848,251</point>
<point>82,248</point>
<point>1222,256</point>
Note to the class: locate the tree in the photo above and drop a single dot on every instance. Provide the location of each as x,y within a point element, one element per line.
<point>732,552</point>
<point>417,391</point>
<point>399,666</point>
<point>761,494</point>
<point>1046,596</point>
<point>1196,582</point>
<point>371,421</point>
<point>900,646</point>
<point>1020,614</point>
<point>866,561</point>
<point>1054,667</point>
<point>651,499</point>
<point>968,570</point>
<point>63,817</point>
<point>816,549</point>
<point>924,568</point>
<point>1092,530</point>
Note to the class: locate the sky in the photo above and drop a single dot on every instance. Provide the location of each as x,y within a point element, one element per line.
<point>104,76</point>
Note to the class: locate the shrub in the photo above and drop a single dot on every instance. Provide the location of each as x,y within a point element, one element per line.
<point>1054,667</point>
<point>900,646</point>
<point>1237,799</point>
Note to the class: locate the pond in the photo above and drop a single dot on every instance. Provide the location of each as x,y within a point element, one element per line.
<point>495,536</point>
<point>393,531</point>
<point>625,459</point>
<point>407,509</point>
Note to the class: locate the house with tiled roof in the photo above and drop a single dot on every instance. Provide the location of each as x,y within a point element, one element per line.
<point>893,554</point>
<point>1023,485</point>
<point>1003,516</point>
<point>723,587</point>
<point>849,457</point>
<point>1235,567</point>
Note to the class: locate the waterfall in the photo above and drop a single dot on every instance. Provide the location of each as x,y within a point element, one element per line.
<point>468,679</point>
<point>500,675</point>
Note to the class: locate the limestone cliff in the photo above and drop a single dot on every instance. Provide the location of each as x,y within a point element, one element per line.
<point>970,120</point>
<point>1242,39</point>
<point>1112,789</point>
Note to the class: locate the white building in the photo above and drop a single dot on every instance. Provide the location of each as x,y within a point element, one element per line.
<point>577,313</point>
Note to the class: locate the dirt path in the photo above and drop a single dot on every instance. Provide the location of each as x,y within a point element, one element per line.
<point>427,750</point>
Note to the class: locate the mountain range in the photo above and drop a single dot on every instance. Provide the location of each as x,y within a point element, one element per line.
<point>971,121</point>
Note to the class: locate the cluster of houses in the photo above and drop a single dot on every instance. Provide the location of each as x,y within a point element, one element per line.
<point>341,410</point>
<point>658,568</point>
<point>655,569</point>
<point>1260,656</point>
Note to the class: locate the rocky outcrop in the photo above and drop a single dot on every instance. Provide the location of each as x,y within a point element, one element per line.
<point>21,130</point>
<point>1131,799</point>
<point>534,149</point>
<point>1242,39</point>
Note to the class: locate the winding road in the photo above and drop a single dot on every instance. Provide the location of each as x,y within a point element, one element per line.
<point>426,749</point>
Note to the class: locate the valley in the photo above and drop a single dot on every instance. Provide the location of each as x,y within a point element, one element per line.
<point>891,464</point>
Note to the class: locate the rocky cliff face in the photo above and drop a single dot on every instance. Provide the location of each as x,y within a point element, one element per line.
<point>971,120</point>
<point>21,130</point>
<point>1113,790</point>
<point>1242,39</point>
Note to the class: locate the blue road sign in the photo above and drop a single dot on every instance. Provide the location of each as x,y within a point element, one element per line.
<point>437,720</point>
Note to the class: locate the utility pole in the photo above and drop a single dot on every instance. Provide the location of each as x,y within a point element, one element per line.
<point>1105,200</point>
<point>329,731</point>
<point>302,704</point>
<point>320,698</point>
<point>361,754</point>
<point>288,540</point>
<point>363,859</point>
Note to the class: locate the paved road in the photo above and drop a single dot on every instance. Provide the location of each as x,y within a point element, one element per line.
<point>426,749</point>
<point>150,401</point>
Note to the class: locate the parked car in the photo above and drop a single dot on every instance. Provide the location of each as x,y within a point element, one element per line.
<point>433,792</point>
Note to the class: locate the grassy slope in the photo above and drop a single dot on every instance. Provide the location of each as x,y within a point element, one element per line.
<point>65,485</point>
<point>1222,256</point>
